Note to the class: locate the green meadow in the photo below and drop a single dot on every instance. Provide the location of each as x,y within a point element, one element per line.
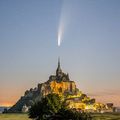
<point>14,117</point>
<point>106,116</point>
<point>103,116</point>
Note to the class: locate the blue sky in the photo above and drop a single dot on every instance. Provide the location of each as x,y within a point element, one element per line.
<point>89,52</point>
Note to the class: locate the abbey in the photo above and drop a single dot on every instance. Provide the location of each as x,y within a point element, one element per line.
<point>61,84</point>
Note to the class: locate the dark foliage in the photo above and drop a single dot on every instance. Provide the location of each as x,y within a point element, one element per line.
<point>67,114</point>
<point>46,107</point>
<point>52,108</point>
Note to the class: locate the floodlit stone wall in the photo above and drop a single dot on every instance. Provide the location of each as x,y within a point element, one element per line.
<point>61,87</point>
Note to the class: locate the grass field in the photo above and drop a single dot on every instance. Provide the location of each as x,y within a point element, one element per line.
<point>14,117</point>
<point>104,116</point>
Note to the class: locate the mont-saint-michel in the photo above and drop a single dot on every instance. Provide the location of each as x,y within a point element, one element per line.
<point>61,84</point>
<point>86,36</point>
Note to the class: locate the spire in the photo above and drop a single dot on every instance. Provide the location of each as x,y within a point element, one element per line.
<point>58,62</point>
<point>58,71</point>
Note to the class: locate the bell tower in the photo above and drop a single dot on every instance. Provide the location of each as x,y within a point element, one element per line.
<point>58,71</point>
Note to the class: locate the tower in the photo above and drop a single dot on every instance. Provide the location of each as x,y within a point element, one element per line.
<point>59,71</point>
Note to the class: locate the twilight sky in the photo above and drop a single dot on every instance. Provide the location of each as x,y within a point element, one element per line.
<point>90,49</point>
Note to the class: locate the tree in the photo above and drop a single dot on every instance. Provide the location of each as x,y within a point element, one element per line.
<point>48,105</point>
<point>52,107</point>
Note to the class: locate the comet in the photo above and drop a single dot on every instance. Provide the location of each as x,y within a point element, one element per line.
<point>65,17</point>
<point>61,24</point>
<point>60,34</point>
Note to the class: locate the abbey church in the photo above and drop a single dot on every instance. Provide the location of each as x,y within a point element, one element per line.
<point>59,83</point>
